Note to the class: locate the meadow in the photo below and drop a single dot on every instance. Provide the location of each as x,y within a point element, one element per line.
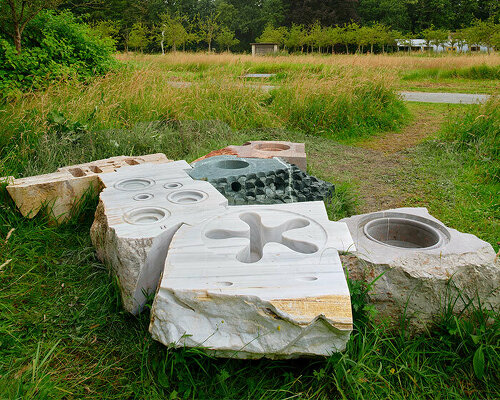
<point>63,334</point>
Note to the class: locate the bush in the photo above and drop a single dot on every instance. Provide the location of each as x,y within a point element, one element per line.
<point>477,134</point>
<point>55,46</point>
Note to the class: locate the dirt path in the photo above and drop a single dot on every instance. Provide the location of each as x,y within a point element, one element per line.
<point>376,168</point>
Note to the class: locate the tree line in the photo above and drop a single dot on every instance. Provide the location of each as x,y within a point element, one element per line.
<point>354,37</point>
<point>158,25</point>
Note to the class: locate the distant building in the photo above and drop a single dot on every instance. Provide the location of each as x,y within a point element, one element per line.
<point>421,45</point>
<point>259,49</point>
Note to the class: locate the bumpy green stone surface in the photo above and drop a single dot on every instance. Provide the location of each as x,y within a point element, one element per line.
<point>260,181</point>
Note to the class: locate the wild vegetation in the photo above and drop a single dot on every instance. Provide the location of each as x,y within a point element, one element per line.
<point>64,334</point>
<point>55,47</point>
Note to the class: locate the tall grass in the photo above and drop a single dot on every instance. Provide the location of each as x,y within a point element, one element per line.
<point>479,72</point>
<point>476,133</point>
<point>401,61</point>
<point>341,109</point>
<point>71,121</point>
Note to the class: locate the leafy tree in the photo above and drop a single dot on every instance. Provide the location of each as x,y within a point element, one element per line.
<point>482,33</point>
<point>107,29</point>
<point>138,38</point>
<point>172,31</point>
<point>439,37</point>
<point>295,37</point>
<point>225,38</point>
<point>461,39</point>
<point>208,28</point>
<point>16,14</point>
<point>59,47</point>
<point>349,35</point>
<point>318,36</point>
<point>392,13</point>
<point>428,34</point>
<point>273,35</point>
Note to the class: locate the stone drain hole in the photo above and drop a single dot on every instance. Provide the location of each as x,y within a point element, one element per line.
<point>143,196</point>
<point>76,172</point>
<point>260,235</point>
<point>236,186</point>
<point>403,233</point>
<point>232,164</point>
<point>172,185</point>
<point>146,215</point>
<point>133,184</point>
<point>187,196</point>
<point>272,147</point>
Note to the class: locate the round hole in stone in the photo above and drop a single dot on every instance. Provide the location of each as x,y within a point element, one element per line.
<point>271,147</point>
<point>232,164</point>
<point>224,283</point>
<point>187,196</point>
<point>403,233</point>
<point>236,186</point>
<point>133,184</point>
<point>146,215</point>
<point>172,185</point>
<point>143,196</point>
<point>308,278</point>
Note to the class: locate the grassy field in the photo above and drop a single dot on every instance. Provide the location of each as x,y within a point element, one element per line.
<point>63,334</point>
<point>440,73</point>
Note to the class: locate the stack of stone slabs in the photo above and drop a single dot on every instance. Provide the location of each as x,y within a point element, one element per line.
<point>257,281</point>
<point>260,181</point>
<point>293,153</point>
<point>138,213</point>
<point>59,191</point>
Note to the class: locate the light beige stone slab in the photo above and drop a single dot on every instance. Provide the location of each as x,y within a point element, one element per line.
<point>294,153</point>
<point>61,190</point>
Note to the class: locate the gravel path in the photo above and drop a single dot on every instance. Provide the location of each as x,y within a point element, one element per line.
<point>449,98</point>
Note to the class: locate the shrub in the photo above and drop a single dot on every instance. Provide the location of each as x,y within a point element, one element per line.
<point>55,46</point>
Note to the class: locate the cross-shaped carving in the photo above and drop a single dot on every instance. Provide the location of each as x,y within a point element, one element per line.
<point>260,235</point>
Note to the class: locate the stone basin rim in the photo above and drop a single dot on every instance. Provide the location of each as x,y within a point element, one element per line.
<point>439,234</point>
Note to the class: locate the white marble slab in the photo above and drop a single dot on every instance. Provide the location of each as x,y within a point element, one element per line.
<point>257,281</point>
<point>137,215</point>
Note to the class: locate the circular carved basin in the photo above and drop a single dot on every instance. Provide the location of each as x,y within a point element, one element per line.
<point>271,147</point>
<point>143,196</point>
<point>187,196</point>
<point>172,185</point>
<point>403,233</point>
<point>133,184</point>
<point>232,164</point>
<point>146,215</point>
